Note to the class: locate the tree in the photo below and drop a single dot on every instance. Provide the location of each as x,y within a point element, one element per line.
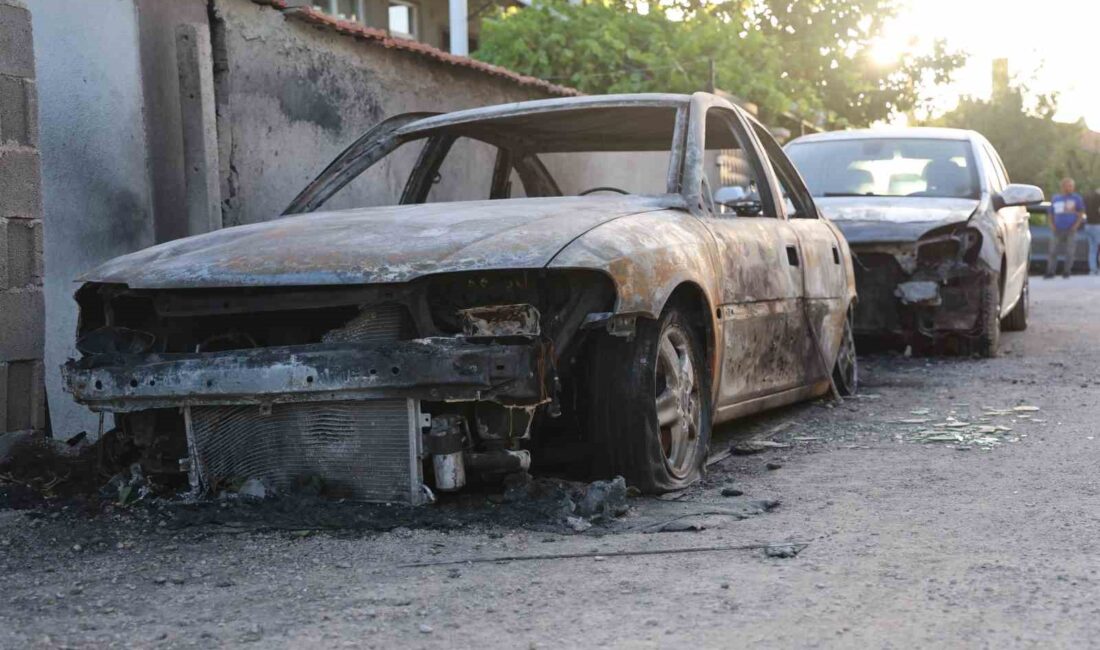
<point>810,57</point>
<point>1035,148</point>
<point>604,48</point>
<point>827,44</point>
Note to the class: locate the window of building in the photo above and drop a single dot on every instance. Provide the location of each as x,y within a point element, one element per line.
<point>402,19</point>
<point>352,10</point>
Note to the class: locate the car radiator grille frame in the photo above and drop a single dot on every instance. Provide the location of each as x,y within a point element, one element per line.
<point>363,450</point>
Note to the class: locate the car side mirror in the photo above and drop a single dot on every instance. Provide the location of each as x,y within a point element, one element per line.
<point>1018,194</point>
<point>741,201</point>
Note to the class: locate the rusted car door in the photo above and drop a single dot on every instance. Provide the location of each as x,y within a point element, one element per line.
<point>824,261</point>
<point>761,278</point>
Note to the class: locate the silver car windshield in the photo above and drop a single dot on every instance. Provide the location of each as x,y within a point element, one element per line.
<point>894,167</point>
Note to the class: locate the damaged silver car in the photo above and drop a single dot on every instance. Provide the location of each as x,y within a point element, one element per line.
<point>557,284</point>
<point>940,236</point>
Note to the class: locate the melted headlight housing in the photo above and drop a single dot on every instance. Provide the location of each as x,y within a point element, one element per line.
<point>953,244</point>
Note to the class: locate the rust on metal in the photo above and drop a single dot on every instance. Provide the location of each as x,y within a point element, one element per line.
<point>483,314</point>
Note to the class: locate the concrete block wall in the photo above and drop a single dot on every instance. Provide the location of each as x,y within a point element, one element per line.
<point>22,389</point>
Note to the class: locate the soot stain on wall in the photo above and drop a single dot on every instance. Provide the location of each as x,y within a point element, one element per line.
<point>313,98</point>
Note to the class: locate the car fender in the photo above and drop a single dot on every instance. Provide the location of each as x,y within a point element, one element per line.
<point>993,229</point>
<point>648,256</point>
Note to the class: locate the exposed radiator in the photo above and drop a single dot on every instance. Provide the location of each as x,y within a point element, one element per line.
<point>363,450</point>
<point>380,323</point>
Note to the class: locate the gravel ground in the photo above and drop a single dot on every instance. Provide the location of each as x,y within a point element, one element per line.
<point>933,512</point>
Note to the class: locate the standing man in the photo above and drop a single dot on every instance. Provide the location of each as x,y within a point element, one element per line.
<point>1092,227</point>
<point>1067,214</point>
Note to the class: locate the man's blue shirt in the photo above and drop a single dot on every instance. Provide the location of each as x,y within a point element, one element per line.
<point>1064,209</point>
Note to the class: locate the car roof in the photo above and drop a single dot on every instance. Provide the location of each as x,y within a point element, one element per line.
<point>569,123</point>
<point>553,104</point>
<point>913,132</point>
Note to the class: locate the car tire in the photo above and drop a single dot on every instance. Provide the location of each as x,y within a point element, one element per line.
<point>984,341</point>
<point>846,366</point>
<point>650,412</point>
<point>1016,321</point>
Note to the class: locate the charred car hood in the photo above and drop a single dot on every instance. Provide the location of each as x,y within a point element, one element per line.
<point>871,219</point>
<point>374,245</point>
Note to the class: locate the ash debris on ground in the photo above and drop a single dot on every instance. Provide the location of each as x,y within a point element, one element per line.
<point>543,504</point>
<point>34,468</point>
<point>37,472</point>
<point>94,487</point>
<point>539,504</point>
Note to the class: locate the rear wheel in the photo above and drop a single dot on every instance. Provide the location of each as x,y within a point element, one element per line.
<point>846,368</point>
<point>650,416</point>
<point>1016,321</point>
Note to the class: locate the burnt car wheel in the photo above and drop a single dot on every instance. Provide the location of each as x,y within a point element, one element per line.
<point>1016,321</point>
<point>846,368</point>
<point>987,336</point>
<point>650,416</point>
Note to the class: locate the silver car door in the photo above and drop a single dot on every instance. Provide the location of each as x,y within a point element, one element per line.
<point>1017,229</point>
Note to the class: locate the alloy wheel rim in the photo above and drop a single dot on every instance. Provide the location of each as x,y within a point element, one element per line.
<point>677,401</point>
<point>846,358</point>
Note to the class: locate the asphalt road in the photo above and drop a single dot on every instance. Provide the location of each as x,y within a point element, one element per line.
<point>934,513</point>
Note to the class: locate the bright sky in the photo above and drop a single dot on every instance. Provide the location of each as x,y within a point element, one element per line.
<point>1054,45</point>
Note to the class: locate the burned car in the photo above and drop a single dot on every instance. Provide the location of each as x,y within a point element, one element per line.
<point>940,236</point>
<point>558,283</point>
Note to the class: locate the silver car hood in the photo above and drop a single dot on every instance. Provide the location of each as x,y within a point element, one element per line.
<point>375,245</point>
<point>874,219</point>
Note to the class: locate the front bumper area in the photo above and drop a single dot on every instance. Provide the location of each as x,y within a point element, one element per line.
<point>435,369</point>
<point>900,300</point>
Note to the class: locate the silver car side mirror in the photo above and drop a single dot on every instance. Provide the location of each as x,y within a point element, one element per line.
<point>1017,194</point>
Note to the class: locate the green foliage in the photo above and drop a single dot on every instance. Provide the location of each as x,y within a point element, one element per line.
<point>1035,148</point>
<point>826,46</point>
<point>811,57</point>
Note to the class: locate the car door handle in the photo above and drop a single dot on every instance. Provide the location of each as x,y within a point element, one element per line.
<point>792,255</point>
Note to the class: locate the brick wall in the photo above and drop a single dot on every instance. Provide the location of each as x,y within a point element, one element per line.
<point>22,393</point>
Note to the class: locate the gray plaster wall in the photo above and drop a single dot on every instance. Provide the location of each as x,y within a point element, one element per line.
<point>97,202</point>
<point>292,96</point>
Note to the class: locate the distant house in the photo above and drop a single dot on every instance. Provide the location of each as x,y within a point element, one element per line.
<point>440,23</point>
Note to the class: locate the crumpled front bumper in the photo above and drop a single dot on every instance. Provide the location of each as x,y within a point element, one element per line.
<point>434,369</point>
<point>899,299</point>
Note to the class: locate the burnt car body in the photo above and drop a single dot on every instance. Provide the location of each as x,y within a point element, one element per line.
<point>361,345</point>
<point>940,236</point>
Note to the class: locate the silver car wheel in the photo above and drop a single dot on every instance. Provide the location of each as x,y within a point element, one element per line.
<point>846,374</point>
<point>678,404</point>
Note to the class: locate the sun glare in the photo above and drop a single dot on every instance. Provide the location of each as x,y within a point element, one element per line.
<point>887,52</point>
<point>1014,29</point>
